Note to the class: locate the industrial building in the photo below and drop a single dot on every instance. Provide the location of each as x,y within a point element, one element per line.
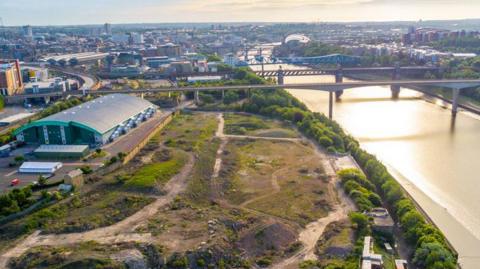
<point>10,78</point>
<point>61,151</point>
<point>93,123</point>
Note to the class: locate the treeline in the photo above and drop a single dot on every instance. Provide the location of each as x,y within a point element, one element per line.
<point>61,105</point>
<point>462,44</point>
<point>312,49</point>
<point>431,249</point>
<point>360,189</point>
<point>15,201</point>
<point>465,68</point>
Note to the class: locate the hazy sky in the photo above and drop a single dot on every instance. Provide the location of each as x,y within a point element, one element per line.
<point>54,12</point>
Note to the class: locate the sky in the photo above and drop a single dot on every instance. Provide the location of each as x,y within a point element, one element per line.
<point>74,12</point>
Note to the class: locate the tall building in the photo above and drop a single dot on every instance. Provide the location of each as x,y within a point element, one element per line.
<point>137,38</point>
<point>108,28</point>
<point>27,31</point>
<point>170,50</point>
<point>10,78</point>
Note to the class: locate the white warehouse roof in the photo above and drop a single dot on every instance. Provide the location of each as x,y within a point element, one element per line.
<point>104,113</point>
<point>40,167</point>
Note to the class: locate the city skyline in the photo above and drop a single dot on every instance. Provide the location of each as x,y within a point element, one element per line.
<point>58,12</point>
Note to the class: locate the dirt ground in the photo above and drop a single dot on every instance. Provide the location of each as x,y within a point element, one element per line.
<point>271,197</point>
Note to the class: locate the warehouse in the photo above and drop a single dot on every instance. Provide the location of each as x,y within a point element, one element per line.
<point>48,168</point>
<point>61,151</point>
<point>93,123</point>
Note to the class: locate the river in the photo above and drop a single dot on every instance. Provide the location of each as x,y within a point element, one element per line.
<point>436,160</point>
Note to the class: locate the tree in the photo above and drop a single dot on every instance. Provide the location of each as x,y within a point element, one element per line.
<point>434,256</point>
<point>360,222</point>
<point>230,97</point>
<point>213,58</point>
<point>42,180</point>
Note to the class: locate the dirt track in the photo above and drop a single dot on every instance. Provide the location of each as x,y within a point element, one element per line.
<point>122,231</point>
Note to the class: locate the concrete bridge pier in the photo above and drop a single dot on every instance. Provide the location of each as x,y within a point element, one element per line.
<point>197,97</point>
<point>280,76</point>
<point>223,95</point>
<point>395,91</point>
<point>396,76</point>
<point>456,93</point>
<point>330,104</point>
<point>338,79</point>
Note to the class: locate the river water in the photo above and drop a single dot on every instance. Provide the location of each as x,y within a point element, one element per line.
<point>436,160</point>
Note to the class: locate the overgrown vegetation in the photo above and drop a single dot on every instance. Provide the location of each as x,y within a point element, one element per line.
<point>15,201</point>
<point>431,249</point>
<point>359,189</point>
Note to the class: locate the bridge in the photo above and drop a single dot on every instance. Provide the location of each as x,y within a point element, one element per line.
<point>333,88</point>
<point>326,59</point>
<point>348,71</point>
<point>395,72</point>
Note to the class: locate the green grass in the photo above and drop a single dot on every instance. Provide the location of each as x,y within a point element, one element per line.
<point>243,124</point>
<point>157,173</point>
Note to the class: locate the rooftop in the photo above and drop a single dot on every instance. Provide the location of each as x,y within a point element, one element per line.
<point>61,148</point>
<point>99,115</point>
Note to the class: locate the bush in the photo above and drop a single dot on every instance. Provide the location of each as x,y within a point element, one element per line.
<point>264,261</point>
<point>86,170</point>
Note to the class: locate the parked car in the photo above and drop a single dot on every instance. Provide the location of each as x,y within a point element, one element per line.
<point>15,182</point>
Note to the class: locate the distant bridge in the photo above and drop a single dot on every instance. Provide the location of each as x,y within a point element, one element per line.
<point>337,88</point>
<point>326,59</point>
<point>347,71</point>
<point>395,71</point>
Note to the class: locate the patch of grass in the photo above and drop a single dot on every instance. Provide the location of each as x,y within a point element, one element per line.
<point>157,173</point>
<point>243,124</point>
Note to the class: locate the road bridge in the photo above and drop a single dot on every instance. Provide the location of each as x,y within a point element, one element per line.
<point>456,85</point>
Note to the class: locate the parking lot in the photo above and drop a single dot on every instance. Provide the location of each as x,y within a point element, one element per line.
<point>124,144</point>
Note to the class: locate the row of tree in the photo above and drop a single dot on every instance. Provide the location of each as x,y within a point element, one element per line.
<point>15,201</point>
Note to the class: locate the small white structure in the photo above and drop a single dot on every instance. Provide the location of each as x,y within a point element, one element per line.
<point>401,264</point>
<point>40,167</point>
<point>370,260</point>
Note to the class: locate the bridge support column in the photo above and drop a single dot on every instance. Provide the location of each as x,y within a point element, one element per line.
<point>395,91</point>
<point>223,95</point>
<point>338,79</point>
<point>330,104</point>
<point>338,95</point>
<point>197,98</point>
<point>280,76</point>
<point>456,93</point>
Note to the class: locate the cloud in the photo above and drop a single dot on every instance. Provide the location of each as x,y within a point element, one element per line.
<point>255,5</point>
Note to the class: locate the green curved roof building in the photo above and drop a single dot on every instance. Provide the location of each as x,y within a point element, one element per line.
<point>91,123</point>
